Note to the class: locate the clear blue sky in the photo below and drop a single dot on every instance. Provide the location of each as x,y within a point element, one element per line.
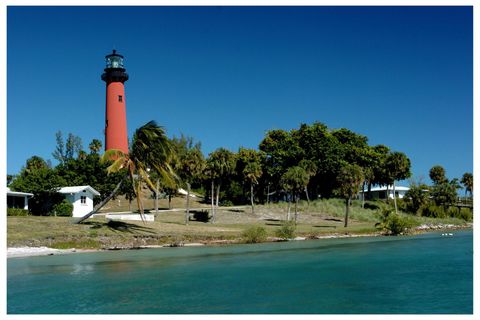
<point>402,76</point>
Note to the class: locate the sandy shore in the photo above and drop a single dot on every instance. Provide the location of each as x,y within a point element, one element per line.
<point>18,252</point>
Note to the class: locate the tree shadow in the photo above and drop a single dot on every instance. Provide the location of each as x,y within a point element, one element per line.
<point>119,226</point>
<point>333,219</point>
<point>325,226</point>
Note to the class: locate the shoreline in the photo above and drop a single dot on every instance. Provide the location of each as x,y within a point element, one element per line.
<point>25,251</point>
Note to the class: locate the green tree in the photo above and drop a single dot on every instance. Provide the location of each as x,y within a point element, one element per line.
<point>249,164</point>
<point>191,166</point>
<point>311,170</point>
<point>150,149</point>
<point>65,151</point>
<point>95,146</point>
<point>295,181</point>
<point>467,181</point>
<point>37,178</point>
<point>417,196</point>
<point>398,168</point>
<point>349,181</point>
<point>437,175</point>
<point>221,164</point>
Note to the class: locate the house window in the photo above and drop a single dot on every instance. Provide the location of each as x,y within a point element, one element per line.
<point>83,200</point>
<point>120,98</point>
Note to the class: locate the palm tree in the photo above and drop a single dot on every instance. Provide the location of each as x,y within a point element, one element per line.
<point>150,149</point>
<point>295,180</point>
<point>467,181</point>
<point>311,169</point>
<point>349,179</point>
<point>398,168</point>
<point>221,165</point>
<point>252,172</point>
<point>191,166</point>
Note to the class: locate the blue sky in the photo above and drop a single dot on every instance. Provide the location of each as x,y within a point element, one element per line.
<point>402,76</point>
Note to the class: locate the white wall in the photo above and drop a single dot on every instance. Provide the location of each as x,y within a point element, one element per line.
<point>80,209</point>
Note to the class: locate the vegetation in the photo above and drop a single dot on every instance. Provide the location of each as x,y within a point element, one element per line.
<point>255,234</point>
<point>63,209</point>
<point>311,166</point>
<point>16,212</point>
<point>286,231</point>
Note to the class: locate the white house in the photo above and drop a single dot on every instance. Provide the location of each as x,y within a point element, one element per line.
<point>81,197</point>
<point>17,199</point>
<point>380,192</point>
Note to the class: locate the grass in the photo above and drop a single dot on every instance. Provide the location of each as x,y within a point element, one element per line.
<point>321,217</point>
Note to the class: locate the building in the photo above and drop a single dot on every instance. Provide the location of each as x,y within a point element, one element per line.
<point>18,199</point>
<point>380,192</point>
<point>115,113</point>
<point>81,197</point>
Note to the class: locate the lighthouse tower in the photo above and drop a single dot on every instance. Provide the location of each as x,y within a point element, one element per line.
<point>115,114</point>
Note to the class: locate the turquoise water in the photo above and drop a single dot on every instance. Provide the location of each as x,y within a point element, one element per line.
<point>426,274</point>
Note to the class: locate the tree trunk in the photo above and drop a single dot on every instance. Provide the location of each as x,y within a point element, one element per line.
<point>369,190</point>
<point>251,197</point>
<point>218,194</point>
<point>288,210</point>
<point>306,193</point>
<point>347,204</point>
<point>130,205</point>
<point>363,195</point>
<point>388,195</point>
<point>187,212</point>
<point>169,201</point>
<point>156,198</point>
<point>268,194</point>
<point>101,204</point>
<point>295,198</point>
<point>395,198</point>
<point>212,197</point>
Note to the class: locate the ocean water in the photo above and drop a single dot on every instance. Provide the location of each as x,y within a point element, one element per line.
<point>425,274</point>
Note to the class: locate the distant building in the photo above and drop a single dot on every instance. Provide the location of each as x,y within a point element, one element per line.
<point>81,197</point>
<point>380,192</point>
<point>18,199</point>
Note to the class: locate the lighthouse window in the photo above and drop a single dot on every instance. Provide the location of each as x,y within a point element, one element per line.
<point>120,98</point>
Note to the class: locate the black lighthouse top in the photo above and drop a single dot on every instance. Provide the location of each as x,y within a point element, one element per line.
<point>114,70</point>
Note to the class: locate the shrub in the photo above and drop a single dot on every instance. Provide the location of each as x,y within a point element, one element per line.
<point>464,213</point>
<point>63,209</point>
<point>16,212</point>
<point>287,231</point>
<point>393,223</point>
<point>255,234</point>
<point>433,211</point>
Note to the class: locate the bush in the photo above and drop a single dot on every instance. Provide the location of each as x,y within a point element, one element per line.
<point>433,211</point>
<point>255,234</point>
<point>393,223</point>
<point>202,215</point>
<point>287,231</point>
<point>63,209</point>
<point>464,213</point>
<point>17,212</point>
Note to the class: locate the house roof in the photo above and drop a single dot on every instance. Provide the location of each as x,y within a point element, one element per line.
<point>15,193</point>
<point>384,188</point>
<point>77,189</point>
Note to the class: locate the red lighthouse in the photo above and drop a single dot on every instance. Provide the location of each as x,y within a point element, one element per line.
<point>115,114</point>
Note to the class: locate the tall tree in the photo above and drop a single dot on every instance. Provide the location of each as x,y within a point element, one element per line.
<point>95,146</point>
<point>249,165</point>
<point>467,181</point>
<point>191,166</point>
<point>349,181</point>
<point>311,170</point>
<point>295,180</point>
<point>398,168</point>
<point>150,149</point>
<point>437,175</point>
